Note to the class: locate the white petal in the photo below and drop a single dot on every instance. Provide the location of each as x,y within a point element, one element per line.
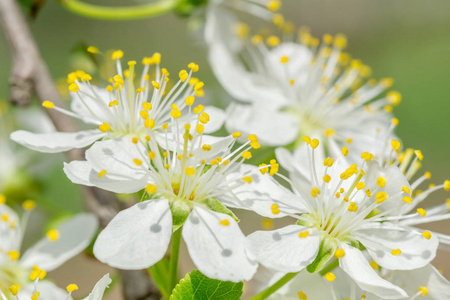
<point>46,289</point>
<point>416,250</point>
<point>217,250</point>
<point>263,192</point>
<point>356,266</point>
<point>81,172</point>
<point>137,237</point>
<point>99,288</point>
<point>438,287</point>
<point>98,109</point>
<point>56,141</point>
<point>260,119</point>
<point>282,249</point>
<point>74,236</point>
<point>10,238</point>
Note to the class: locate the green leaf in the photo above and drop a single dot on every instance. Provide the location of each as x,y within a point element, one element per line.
<point>327,248</point>
<point>160,273</point>
<point>216,206</point>
<point>199,287</point>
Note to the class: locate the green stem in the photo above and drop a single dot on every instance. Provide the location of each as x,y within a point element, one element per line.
<point>174,253</point>
<point>330,267</point>
<point>273,288</point>
<point>120,13</point>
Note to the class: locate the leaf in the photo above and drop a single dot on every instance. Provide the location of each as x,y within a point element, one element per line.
<point>216,206</point>
<point>199,287</point>
<point>160,273</point>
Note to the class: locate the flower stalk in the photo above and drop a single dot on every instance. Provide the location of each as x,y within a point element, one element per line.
<point>274,287</point>
<point>174,254</point>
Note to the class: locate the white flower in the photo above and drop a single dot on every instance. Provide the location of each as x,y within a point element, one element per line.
<point>341,209</point>
<point>99,289</point>
<point>60,244</point>
<point>191,182</point>
<point>423,283</point>
<point>304,87</point>
<point>119,109</point>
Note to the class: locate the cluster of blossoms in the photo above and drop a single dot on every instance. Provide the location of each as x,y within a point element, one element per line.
<point>348,184</point>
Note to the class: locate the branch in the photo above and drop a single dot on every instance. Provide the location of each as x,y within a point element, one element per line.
<point>30,74</point>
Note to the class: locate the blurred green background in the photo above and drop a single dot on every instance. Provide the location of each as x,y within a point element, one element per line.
<point>408,40</point>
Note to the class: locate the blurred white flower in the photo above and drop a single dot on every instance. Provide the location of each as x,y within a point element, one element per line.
<point>305,88</point>
<point>118,109</point>
<point>190,181</point>
<point>59,245</point>
<point>341,209</point>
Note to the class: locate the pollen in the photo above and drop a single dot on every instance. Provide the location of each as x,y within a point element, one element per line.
<point>190,100</point>
<point>303,234</point>
<point>327,178</point>
<point>113,103</point>
<point>225,222</point>
<point>396,252</point>
<point>48,104</point>
<point>339,253</point>
<point>156,58</point>
<point>53,235</point>
<point>447,185</point>
<point>284,59</point>
<point>381,182</point>
<point>14,289</point>
<point>406,189</point>
<point>344,151</point>
<point>395,121</point>
<point>315,191</point>
<point>5,217</point>
<point>117,54</point>
<point>329,132</point>
<point>394,97</point>
<point>419,154</point>
<point>274,5</point>
<point>193,66</point>
<point>151,188</point>
<point>374,265</point>
<point>330,277</point>
<point>149,123</point>
<point>263,168</point>
<point>189,171</point>
<point>275,209</point>
<point>396,144</point>
<point>156,84</point>
<point>360,185</point>
<point>423,290</point>
<point>328,162</point>
<point>73,87</point>
<point>380,197</point>
<point>422,212</point>
<point>246,154</point>
<point>71,287</point>
<point>2,199</point>
<point>135,140</point>
<point>35,296</point>
<point>137,161</point>
<point>273,41</point>
<point>29,205</point>
<point>314,143</point>
<point>236,134</point>
<point>104,127</point>
<point>14,255</point>
<point>426,234</point>
<point>204,118</point>
<point>247,179</point>
<point>408,200</point>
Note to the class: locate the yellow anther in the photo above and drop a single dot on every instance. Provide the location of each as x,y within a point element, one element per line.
<point>246,154</point>
<point>406,189</point>
<point>156,84</point>
<point>327,38</point>
<point>101,173</point>
<point>199,85</point>
<point>86,77</point>
<point>273,5</point>
<point>257,39</point>
<point>175,113</point>
<point>203,118</point>
<point>275,209</point>
<point>426,234</point>
<point>291,81</point>
<point>314,143</point>
<point>273,168</point>
<point>278,20</point>
<point>344,151</point>
<point>92,49</point>
<point>147,106</point>
<point>381,182</point>
<point>224,222</point>
<point>151,188</point>
<point>52,235</point>
<point>149,123</point>
<point>156,58</point>
<point>284,59</point>
<point>267,223</point>
<point>135,140</point>
<point>247,179</point>
<point>423,290</point>
<point>396,144</point>
<point>113,103</point>
<point>395,121</point>
<point>352,206</point>
<point>255,145</point>
<point>151,155</point>
<point>14,289</point>
<point>387,82</point>
<point>165,126</point>
<point>363,296</point>
<point>427,175</point>
<point>48,104</point>
<point>199,128</point>
<point>189,171</point>
<point>117,54</point>
<point>71,287</point>
<point>328,162</point>
<point>306,139</point>
<point>349,141</point>
<point>104,127</point>
<point>273,41</point>
<point>29,204</point>
<point>193,66</point>
<point>35,296</point>
<point>302,296</point>
<point>14,255</point>
<point>242,30</point>
<point>340,41</point>
<point>394,97</point>
<point>407,199</point>
<point>206,147</point>
<point>263,168</point>
<point>253,138</point>
<point>360,185</point>
<point>327,178</point>
<point>329,132</point>
<point>137,161</point>
<point>109,88</point>
<point>236,134</point>
<point>2,199</point>
<point>330,277</point>
<point>303,234</point>
<point>447,185</point>
<point>144,114</point>
<point>183,75</point>
<point>315,191</point>
<point>422,212</point>
<point>73,87</point>
<point>190,100</point>
<point>396,252</point>
<point>380,197</point>
<point>339,253</point>
<point>374,265</point>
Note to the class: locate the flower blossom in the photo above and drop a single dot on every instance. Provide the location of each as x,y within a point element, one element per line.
<point>341,210</point>
<point>124,107</point>
<point>305,87</point>
<point>59,245</point>
<point>189,180</point>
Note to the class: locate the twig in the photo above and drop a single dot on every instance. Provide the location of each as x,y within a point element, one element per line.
<point>30,74</point>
